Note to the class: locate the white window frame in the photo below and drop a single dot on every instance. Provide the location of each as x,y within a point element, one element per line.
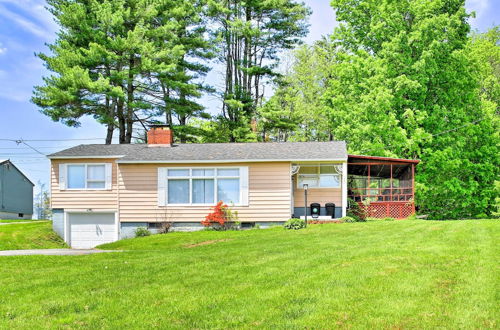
<point>242,185</point>
<point>86,176</point>
<point>318,176</point>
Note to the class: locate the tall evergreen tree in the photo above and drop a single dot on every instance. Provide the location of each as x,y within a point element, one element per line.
<point>251,36</point>
<point>112,58</point>
<point>176,93</point>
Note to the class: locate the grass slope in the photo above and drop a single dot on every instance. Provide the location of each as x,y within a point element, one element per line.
<point>17,220</point>
<point>36,235</point>
<point>403,274</point>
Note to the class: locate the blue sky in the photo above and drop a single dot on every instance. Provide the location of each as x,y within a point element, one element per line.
<point>25,28</point>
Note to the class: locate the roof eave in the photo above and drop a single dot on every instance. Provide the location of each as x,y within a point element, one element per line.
<point>84,157</point>
<point>399,160</point>
<point>210,161</point>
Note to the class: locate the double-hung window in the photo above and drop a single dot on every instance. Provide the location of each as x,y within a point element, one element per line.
<point>319,176</point>
<point>203,186</point>
<point>85,176</point>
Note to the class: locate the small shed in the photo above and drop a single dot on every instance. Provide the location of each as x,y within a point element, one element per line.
<point>16,192</point>
<point>384,187</point>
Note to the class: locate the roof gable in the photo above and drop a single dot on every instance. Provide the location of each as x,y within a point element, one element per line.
<point>2,161</point>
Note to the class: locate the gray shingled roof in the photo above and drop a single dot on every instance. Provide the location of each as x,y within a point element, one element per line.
<point>335,150</point>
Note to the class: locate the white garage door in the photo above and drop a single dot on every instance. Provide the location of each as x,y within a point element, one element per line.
<point>89,230</point>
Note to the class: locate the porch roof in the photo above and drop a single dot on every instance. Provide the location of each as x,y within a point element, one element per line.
<point>384,159</point>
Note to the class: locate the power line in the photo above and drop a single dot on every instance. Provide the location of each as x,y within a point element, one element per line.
<point>52,140</point>
<point>43,147</point>
<point>459,127</point>
<point>18,153</point>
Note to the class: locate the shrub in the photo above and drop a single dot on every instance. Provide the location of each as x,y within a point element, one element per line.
<point>142,232</point>
<point>348,219</point>
<point>357,212</point>
<point>295,224</point>
<point>164,227</point>
<point>221,218</point>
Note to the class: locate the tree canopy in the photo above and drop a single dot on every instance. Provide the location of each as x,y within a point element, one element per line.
<point>396,78</point>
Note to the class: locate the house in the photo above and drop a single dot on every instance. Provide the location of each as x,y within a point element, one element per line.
<point>16,192</point>
<point>102,193</point>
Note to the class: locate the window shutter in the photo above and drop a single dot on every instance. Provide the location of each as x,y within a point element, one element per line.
<point>62,177</point>
<point>162,186</point>
<point>244,185</point>
<point>109,176</point>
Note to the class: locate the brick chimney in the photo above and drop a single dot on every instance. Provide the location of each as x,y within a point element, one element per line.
<point>160,135</point>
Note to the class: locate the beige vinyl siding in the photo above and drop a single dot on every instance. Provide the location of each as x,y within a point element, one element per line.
<point>317,195</point>
<point>269,194</point>
<point>83,199</point>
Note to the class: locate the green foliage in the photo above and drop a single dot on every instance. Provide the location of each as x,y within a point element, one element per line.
<point>348,219</point>
<point>142,232</point>
<point>355,210</point>
<point>124,62</point>
<point>404,79</point>
<point>295,224</point>
<point>295,112</point>
<point>251,34</point>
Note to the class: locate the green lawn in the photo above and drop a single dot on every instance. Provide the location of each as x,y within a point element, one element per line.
<point>17,220</point>
<point>399,274</point>
<point>36,235</point>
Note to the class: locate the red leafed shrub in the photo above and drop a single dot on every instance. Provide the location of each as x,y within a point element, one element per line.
<point>221,217</point>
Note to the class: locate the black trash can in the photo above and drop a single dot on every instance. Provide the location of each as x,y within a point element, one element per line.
<point>330,209</point>
<point>315,210</point>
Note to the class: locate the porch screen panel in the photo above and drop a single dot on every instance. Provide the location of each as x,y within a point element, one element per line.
<point>357,182</point>
<point>402,183</point>
<point>380,183</point>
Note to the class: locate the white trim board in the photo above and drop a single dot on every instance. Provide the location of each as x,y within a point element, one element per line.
<point>194,162</point>
<point>85,157</point>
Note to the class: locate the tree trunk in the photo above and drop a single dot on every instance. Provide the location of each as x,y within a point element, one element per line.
<point>121,121</point>
<point>129,121</point>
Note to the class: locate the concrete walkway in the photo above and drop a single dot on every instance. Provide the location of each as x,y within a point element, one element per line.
<point>52,252</point>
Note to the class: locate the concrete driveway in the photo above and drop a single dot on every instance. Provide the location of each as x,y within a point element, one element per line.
<point>52,252</point>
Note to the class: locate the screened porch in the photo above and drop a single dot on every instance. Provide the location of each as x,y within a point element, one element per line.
<point>384,186</point>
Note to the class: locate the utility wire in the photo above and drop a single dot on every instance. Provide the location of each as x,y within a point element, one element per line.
<point>459,127</point>
<point>43,147</point>
<point>53,140</point>
<point>23,142</point>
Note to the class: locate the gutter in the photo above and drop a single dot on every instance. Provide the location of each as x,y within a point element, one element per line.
<point>226,161</point>
<point>85,157</point>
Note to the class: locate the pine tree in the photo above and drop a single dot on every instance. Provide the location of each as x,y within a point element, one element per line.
<point>251,36</point>
<point>111,58</point>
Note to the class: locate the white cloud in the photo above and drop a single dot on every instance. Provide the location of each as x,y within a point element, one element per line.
<point>33,17</point>
<point>3,50</point>
<point>17,81</point>
<point>480,7</point>
<point>22,22</point>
